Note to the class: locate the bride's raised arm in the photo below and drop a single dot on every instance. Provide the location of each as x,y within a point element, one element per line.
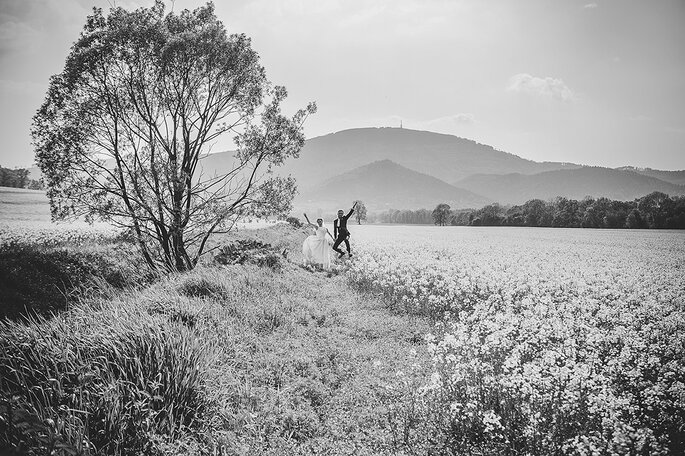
<point>308,222</point>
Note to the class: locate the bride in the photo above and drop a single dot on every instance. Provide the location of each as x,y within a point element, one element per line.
<point>316,248</point>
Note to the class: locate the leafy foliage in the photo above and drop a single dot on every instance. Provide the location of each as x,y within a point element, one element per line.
<point>359,211</point>
<point>406,216</point>
<point>251,252</point>
<point>18,178</point>
<point>441,214</point>
<point>656,210</point>
<point>294,221</point>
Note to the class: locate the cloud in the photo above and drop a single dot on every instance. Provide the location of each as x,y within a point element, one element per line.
<point>464,118</point>
<point>590,6</point>
<point>460,119</point>
<point>544,87</point>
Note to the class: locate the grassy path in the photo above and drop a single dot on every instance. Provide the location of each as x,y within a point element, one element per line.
<point>305,364</point>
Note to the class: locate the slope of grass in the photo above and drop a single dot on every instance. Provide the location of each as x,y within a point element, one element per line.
<point>36,279</point>
<point>227,359</point>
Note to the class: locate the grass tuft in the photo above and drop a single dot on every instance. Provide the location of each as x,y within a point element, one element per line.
<point>201,287</point>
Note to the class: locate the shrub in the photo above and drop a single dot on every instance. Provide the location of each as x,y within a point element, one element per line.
<point>270,260</point>
<point>294,221</point>
<point>201,287</point>
<point>250,252</point>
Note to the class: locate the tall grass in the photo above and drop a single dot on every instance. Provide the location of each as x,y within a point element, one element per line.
<point>111,380</point>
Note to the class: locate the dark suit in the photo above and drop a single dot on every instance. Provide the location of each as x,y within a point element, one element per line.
<point>341,233</point>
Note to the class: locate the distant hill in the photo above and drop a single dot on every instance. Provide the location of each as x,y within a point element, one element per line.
<point>573,183</point>
<point>483,170</point>
<point>674,177</point>
<point>384,185</point>
<point>443,156</point>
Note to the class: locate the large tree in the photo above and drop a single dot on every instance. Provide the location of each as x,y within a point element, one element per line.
<point>142,98</point>
<point>655,208</point>
<point>441,214</point>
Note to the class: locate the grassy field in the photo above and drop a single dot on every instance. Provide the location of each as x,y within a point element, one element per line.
<point>434,340</point>
<point>252,358</point>
<point>23,205</point>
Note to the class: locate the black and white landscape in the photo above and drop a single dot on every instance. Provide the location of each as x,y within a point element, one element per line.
<point>327,227</point>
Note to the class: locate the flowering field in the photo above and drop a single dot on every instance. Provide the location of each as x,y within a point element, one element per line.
<point>25,219</point>
<point>546,341</point>
<point>51,234</point>
<point>21,205</point>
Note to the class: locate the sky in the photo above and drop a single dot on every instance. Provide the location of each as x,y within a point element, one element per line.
<point>598,83</point>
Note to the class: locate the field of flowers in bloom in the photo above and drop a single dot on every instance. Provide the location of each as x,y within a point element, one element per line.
<point>25,220</point>
<point>50,234</point>
<point>546,341</point>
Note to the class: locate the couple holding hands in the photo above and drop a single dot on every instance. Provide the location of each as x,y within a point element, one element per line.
<point>316,248</point>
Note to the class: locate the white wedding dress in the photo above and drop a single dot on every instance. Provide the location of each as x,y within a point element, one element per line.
<point>316,249</point>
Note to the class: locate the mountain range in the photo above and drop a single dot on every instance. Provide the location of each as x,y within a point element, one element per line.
<point>385,184</point>
<point>674,177</point>
<point>616,184</point>
<point>410,169</point>
<point>446,157</point>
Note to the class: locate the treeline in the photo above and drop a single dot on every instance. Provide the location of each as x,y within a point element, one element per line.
<point>656,210</point>
<point>420,217</point>
<point>18,178</point>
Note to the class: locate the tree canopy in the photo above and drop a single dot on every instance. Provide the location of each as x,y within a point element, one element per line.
<point>360,211</point>
<point>18,178</point>
<point>655,210</point>
<point>142,98</point>
<point>441,214</point>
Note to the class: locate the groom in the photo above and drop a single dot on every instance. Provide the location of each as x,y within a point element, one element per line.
<point>340,232</point>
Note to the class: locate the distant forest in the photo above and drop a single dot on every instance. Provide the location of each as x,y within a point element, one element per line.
<point>656,210</point>
<point>18,178</point>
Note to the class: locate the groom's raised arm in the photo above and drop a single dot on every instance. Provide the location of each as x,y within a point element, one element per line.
<point>350,213</point>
